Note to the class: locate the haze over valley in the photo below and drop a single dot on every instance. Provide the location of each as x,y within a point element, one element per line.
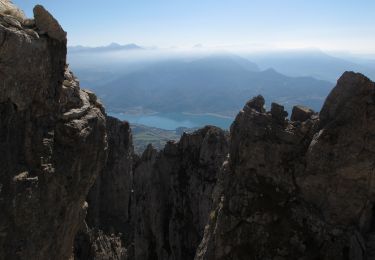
<point>170,88</point>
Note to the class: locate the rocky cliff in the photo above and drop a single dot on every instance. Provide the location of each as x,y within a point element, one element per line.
<point>299,189</point>
<point>110,197</point>
<point>173,194</point>
<point>52,139</point>
<point>108,227</point>
<point>161,212</point>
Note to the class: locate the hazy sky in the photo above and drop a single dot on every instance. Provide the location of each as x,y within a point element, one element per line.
<point>342,25</point>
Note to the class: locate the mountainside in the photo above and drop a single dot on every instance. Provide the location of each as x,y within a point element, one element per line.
<point>215,84</point>
<point>52,140</point>
<point>313,63</point>
<point>271,188</point>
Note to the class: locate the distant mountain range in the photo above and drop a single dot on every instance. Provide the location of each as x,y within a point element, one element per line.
<point>110,47</point>
<point>314,63</point>
<point>214,84</point>
<point>199,82</point>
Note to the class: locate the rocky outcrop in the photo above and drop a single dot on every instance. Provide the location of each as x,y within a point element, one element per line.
<point>299,189</point>
<point>52,142</point>
<point>107,228</point>
<point>173,194</point>
<point>340,159</point>
<point>109,198</point>
<point>301,113</point>
<point>46,23</point>
<point>8,8</point>
<point>94,244</point>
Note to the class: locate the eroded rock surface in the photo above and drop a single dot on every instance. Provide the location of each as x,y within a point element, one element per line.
<point>110,197</point>
<point>299,190</point>
<point>52,145</point>
<point>46,23</point>
<point>8,8</point>
<point>173,194</point>
<point>94,244</point>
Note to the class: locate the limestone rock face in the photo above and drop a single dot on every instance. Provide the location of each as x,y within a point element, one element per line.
<point>110,197</point>
<point>301,113</point>
<point>8,8</point>
<point>340,158</point>
<point>52,146</point>
<point>93,244</point>
<point>173,194</point>
<point>45,22</point>
<point>299,190</point>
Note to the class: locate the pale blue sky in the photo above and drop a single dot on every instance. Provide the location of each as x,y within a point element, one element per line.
<point>342,25</point>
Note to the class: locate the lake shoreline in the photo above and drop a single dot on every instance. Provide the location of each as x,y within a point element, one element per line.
<point>172,121</point>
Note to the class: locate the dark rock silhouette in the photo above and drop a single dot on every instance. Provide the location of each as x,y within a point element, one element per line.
<point>173,194</point>
<point>52,146</point>
<point>110,197</point>
<point>108,226</point>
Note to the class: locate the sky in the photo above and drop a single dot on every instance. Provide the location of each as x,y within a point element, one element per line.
<point>331,25</point>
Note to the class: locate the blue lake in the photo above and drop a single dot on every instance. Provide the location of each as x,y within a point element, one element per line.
<point>171,121</point>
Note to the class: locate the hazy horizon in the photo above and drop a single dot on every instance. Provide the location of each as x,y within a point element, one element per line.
<point>239,25</point>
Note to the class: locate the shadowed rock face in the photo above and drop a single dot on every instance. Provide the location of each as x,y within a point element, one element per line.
<point>52,145</point>
<point>173,194</point>
<point>299,190</point>
<point>108,228</point>
<point>164,217</point>
<point>340,159</point>
<point>110,197</point>
<point>94,244</point>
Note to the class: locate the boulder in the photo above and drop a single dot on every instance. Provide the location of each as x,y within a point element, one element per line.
<point>278,112</point>
<point>256,103</point>
<point>301,113</point>
<point>45,22</point>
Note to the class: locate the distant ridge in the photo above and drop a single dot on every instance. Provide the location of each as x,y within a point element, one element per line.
<point>211,84</point>
<point>111,47</point>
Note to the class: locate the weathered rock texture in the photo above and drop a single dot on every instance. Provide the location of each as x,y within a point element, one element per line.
<point>52,144</point>
<point>173,194</point>
<point>110,197</point>
<point>93,244</point>
<point>8,8</point>
<point>46,23</point>
<point>299,189</point>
